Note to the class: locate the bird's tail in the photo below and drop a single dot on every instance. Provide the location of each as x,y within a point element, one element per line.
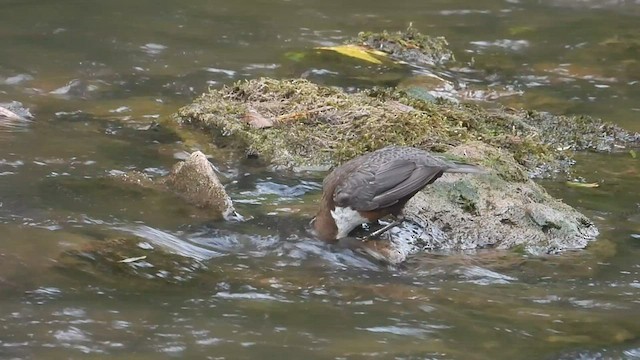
<point>461,168</point>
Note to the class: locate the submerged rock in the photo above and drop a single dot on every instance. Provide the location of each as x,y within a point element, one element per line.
<point>113,260</point>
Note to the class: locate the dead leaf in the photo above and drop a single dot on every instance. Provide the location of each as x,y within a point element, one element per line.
<point>255,119</point>
<point>396,105</point>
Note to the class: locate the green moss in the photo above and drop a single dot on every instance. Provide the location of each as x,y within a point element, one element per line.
<point>409,45</point>
<point>319,126</point>
<point>465,195</point>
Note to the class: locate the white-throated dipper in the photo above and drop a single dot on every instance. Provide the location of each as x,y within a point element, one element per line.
<point>374,185</point>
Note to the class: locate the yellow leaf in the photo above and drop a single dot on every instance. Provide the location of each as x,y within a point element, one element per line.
<point>583,185</point>
<point>355,51</point>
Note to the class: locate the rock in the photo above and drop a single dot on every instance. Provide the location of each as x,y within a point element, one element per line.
<point>409,46</point>
<point>430,87</point>
<point>195,181</point>
<point>192,180</point>
<point>495,210</point>
<point>503,209</point>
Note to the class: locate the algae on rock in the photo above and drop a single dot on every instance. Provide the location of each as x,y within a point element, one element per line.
<point>195,181</point>
<point>487,211</point>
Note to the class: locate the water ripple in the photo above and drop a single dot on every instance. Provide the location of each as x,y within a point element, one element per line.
<point>482,276</point>
<point>170,242</point>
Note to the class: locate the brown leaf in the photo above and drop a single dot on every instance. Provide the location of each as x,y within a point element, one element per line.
<point>396,105</point>
<point>255,119</point>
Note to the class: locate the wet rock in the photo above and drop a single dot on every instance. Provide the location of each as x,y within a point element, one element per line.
<point>136,178</point>
<point>495,210</point>
<point>430,87</point>
<point>196,182</point>
<point>193,180</point>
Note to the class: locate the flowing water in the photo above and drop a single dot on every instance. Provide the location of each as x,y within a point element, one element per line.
<point>96,74</point>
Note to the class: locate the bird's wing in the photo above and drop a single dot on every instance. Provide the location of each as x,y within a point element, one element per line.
<point>383,186</point>
<point>419,178</point>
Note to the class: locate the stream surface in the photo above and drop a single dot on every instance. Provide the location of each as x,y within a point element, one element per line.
<point>95,74</point>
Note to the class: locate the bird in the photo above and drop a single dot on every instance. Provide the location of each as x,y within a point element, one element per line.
<point>375,185</point>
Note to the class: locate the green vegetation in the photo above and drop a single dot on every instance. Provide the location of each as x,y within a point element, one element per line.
<point>409,45</point>
<point>310,125</point>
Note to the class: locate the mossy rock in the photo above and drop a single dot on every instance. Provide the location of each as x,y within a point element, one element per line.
<point>462,212</point>
<point>311,126</point>
<point>409,46</point>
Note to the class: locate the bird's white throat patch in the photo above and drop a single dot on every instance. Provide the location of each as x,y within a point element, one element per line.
<point>346,220</point>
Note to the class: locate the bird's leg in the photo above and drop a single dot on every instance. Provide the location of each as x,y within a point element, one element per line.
<point>398,220</point>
